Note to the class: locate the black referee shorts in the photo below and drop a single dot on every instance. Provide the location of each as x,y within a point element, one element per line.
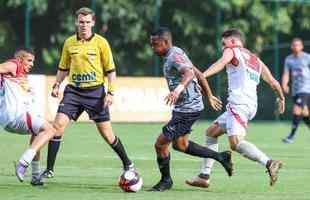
<point>180,124</point>
<point>76,100</point>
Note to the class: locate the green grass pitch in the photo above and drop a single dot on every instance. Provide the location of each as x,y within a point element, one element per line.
<point>87,169</point>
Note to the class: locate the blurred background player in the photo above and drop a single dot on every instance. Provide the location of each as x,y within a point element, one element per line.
<point>244,70</point>
<point>87,59</point>
<point>17,116</point>
<point>297,66</point>
<point>186,97</point>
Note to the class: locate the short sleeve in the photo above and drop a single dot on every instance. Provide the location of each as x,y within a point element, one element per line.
<point>106,56</point>
<point>181,61</point>
<point>286,65</point>
<point>64,63</point>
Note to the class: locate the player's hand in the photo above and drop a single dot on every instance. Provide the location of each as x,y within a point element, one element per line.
<point>281,105</point>
<point>215,103</point>
<point>108,100</point>
<point>172,98</point>
<point>286,89</point>
<point>55,90</point>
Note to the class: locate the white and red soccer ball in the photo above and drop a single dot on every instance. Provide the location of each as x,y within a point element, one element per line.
<point>130,181</point>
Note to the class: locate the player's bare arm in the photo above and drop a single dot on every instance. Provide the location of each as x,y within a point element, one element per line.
<point>188,75</point>
<point>8,67</point>
<point>220,64</point>
<point>215,103</point>
<point>108,100</point>
<point>275,85</point>
<point>285,81</point>
<point>61,75</point>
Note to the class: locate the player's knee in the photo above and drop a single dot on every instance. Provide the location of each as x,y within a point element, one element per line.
<point>59,129</point>
<point>213,130</point>
<point>305,111</point>
<point>297,110</point>
<point>161,150</point>
<point>210,132</point>
<point>179,146</point>
<point>234,141</point>
<point>47,128</point>
<point>157,146</point>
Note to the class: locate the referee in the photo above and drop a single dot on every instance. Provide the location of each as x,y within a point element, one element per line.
<point>87,59</point>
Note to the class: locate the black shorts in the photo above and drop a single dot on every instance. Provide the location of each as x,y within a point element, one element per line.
<point>302,99</point>
<point>180,124</point>
<point>76,100</point>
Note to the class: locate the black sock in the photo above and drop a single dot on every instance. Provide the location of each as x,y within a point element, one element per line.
<point>118,147</point>
<point>53,147</point>
<point>295,123</point>
<point>164,167</point>
<point>195,149</point>
<point>307,121</point>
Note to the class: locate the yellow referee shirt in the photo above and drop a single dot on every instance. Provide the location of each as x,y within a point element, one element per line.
<point>87,60</point>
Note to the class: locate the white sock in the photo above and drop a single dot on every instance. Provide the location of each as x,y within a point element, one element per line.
<point>35,167</point>
<point>207,163</point>
<point>251,152</point>
<point>27,157</point>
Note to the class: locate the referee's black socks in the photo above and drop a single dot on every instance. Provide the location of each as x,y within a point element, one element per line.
<point>118,147</point>
<point>53,147</point>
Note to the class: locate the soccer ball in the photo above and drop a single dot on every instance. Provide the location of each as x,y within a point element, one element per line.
<point>130,181</point>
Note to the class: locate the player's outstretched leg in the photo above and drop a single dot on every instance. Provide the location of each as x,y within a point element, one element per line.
<point>23,163</point>
<point>36,179</point>
<point>43,135</point>
<point>273,167</point>
<point>203,179</point>
<point>20,170</point>
<point>195,149</point>
<point>253,153</point>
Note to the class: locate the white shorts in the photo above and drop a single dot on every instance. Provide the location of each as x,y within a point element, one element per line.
<point>26,123</point>
<point>236,118</point>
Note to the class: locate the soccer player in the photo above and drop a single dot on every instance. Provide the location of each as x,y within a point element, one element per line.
<point>17,116</point>
<point>244,70</point>
<point>297,65</point>
<point>186,97</point>
<point>87,60</point>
